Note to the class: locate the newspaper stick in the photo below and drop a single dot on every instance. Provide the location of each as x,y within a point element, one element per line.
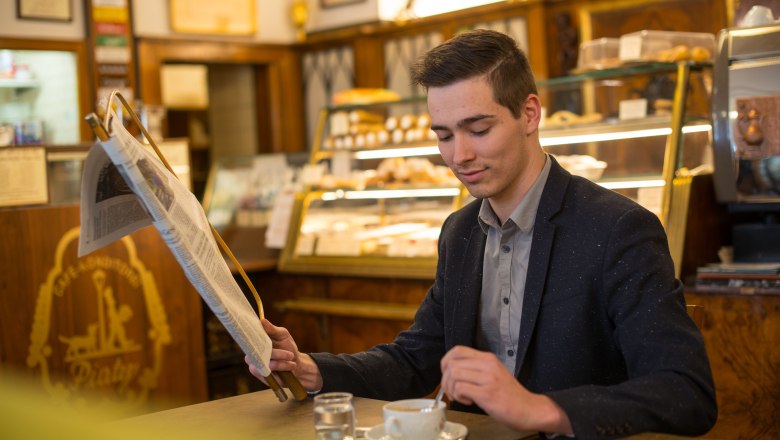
<point>100,131</point>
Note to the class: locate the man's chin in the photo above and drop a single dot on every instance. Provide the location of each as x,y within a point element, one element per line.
<point>476,191</point>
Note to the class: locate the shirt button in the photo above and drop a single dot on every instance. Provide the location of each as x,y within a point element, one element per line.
<point>510,353</point>
<point>506,300</point>
<point>505,248</point>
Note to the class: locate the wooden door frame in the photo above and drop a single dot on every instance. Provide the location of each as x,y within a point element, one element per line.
<point>284,79</point>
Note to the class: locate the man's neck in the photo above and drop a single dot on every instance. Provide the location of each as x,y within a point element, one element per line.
<point>504,206</point>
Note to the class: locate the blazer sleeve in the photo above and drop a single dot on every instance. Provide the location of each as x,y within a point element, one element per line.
<point>408,367</point>
<point>669,386</point>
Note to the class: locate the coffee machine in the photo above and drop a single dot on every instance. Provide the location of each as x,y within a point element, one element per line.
<point>746,137</point>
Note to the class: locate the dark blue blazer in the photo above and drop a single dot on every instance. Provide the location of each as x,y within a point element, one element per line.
<point>604,329</point>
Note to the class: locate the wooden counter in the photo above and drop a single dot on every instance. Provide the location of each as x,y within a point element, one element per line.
<point>123,322</point>
<point>742,334</point>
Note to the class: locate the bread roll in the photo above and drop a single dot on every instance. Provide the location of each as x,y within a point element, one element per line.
<point>391,123</point>
<point>424,121</point>
<point>700,54</point>
<point>407,121</point>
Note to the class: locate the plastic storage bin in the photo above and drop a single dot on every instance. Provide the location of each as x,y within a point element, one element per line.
<point>667,46</point>
<point>598,54</point>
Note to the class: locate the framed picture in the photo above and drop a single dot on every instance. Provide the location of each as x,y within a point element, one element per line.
<point>226,17</point>
<point>54,10</point>
<point>335,3</point>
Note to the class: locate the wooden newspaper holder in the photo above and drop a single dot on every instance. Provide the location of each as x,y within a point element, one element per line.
<point>100,130</point>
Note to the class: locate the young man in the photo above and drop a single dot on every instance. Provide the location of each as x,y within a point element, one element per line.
<point>555,307</point>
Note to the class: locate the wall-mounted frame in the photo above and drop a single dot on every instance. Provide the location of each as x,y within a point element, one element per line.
<point>226,17</point>
<point>50,10</point>
<point>335,3</point>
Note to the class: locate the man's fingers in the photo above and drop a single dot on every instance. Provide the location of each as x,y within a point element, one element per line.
<point>281,354</point>
<point>274,332</point>
<point>276,365</point>
<point>464,392</point>
<point>255,372</point>
<point>468,375</point>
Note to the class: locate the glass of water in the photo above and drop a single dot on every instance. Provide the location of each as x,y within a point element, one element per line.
<point>334,416</point>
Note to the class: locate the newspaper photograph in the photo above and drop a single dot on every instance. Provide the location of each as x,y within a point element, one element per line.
<point>124,188</point>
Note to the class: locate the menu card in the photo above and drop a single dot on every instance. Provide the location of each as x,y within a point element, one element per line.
<point>23,176</point>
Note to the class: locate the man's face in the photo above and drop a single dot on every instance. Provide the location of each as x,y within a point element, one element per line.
<point>480,140</point>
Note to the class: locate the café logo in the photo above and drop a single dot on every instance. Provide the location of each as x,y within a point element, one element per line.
<point>99,327</point>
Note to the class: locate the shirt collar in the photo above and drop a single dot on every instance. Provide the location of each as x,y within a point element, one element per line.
<point>524,214</point>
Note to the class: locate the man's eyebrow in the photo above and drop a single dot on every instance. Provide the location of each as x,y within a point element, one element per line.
<point>463,122</point>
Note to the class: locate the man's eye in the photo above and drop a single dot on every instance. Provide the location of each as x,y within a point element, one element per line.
<point>444,137</point>
<point>480,132</point>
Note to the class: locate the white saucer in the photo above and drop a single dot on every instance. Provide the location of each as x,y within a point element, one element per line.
<point>452,431</point>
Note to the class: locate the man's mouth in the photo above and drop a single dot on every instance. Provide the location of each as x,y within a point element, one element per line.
<point>471,176</point>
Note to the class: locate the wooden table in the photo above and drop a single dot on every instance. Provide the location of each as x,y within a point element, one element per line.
<point>260,415</point>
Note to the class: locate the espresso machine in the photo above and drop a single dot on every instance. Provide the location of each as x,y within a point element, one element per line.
<point>746,137</point>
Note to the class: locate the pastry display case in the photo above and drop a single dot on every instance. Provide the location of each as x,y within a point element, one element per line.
<point>376,193</point>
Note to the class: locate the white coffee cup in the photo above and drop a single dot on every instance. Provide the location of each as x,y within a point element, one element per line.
<point>414,419</point>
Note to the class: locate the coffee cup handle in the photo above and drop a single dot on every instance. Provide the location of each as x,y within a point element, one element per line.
<point>393,428</point>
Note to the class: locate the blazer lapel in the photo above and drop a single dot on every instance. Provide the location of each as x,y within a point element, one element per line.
<point>541,246</point>
<point>469,288</point>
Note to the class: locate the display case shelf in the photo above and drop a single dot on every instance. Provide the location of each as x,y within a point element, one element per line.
<point>14,83</point>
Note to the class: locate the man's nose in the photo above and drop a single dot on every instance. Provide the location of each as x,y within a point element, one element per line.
<point>462,150</point>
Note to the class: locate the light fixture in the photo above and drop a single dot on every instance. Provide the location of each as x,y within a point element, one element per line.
<point>299,12</point>
<point>618,135</point>
<point>402,11</point>
<point>390,193</point>
<point>629,184</point>
<point>427,150</point>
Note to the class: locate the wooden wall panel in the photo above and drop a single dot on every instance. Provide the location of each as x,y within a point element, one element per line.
<point>742,333</point>
<point>615,18</point>
<point>122,323</point>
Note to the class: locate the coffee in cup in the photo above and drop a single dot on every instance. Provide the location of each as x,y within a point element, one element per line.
<point>414,419</point>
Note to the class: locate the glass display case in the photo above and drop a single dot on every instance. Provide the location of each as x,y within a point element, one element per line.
<point>376,193</point>
<point>377,190</point>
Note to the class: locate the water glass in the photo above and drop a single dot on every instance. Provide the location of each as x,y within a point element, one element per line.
<point>334,416</point>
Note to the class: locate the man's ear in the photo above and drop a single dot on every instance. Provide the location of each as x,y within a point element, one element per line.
<point>532,110</point>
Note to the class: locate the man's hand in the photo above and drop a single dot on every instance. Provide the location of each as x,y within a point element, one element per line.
<point>477,377</point>
<point>286,357</point>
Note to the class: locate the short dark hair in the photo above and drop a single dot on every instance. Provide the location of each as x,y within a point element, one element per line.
<point>476,53</point>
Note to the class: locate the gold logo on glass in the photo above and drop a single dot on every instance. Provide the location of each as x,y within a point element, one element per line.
<point>99,325</point>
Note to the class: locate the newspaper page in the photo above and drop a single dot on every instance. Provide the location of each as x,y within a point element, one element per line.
<point>125,187</point>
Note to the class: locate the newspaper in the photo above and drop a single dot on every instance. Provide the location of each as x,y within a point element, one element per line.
<point>125,187</point>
